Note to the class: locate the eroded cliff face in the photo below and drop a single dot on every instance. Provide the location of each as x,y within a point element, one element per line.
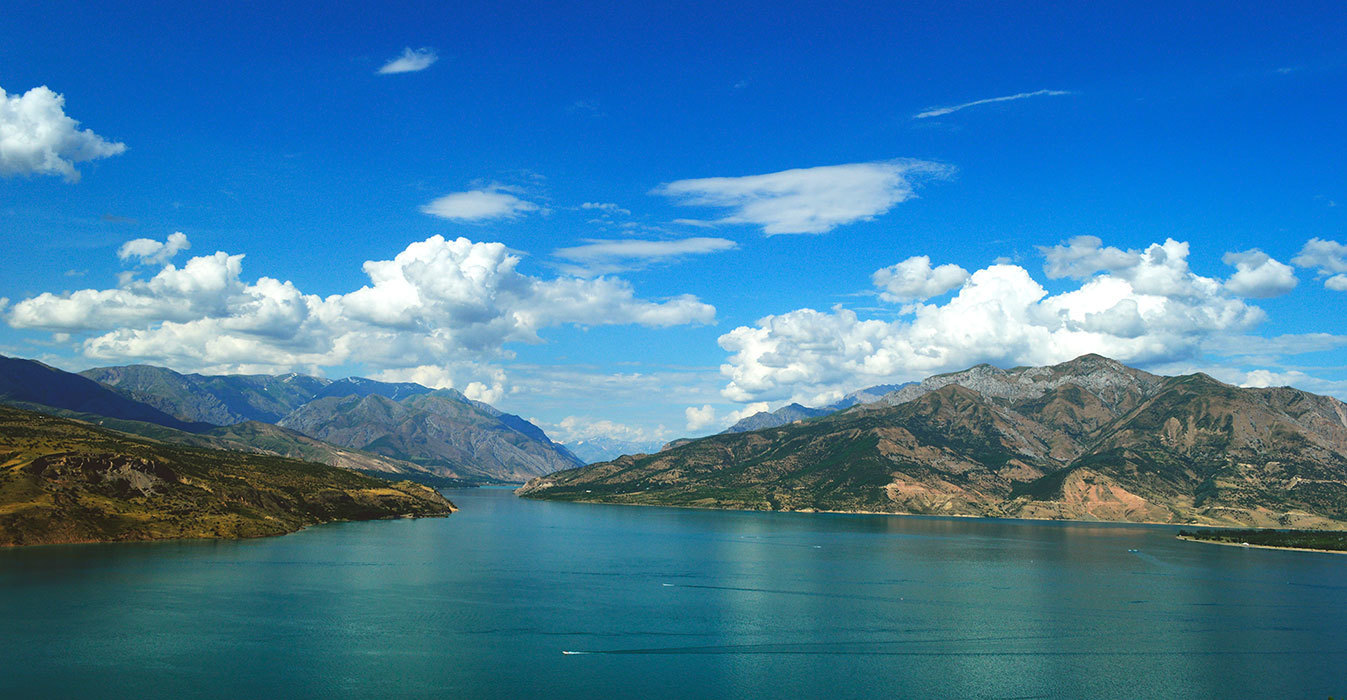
<point>1088,439</point>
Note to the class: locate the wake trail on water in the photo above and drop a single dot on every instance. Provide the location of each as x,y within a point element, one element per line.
<point>782,591</point>
<point>821,648</point>
<point>814,650</point>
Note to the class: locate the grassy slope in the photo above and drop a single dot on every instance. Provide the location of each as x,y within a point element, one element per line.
<point>66,481</point>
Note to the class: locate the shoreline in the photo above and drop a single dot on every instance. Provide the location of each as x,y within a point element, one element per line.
<point>209,538</point>
<point>921,515</point>
<point>1243,545</point>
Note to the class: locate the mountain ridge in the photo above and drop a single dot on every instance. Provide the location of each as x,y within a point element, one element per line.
<point>469,440</point>
<point>1088,439</point>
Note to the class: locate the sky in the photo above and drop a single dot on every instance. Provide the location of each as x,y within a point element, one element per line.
<point>645,221</point>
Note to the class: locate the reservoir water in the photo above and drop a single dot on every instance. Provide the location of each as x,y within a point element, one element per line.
<point>515,598</point>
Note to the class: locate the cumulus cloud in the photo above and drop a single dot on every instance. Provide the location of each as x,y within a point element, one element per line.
<point>1160,269</point>
<point>942,111</point>
<point>1150,308</point>
<point>148,251</point>
<point>1082,256</point>
<point>410,61</point>
<point>1258,275</point>
<point>806,200</point>
<point>1262,378</point>
<point>1328,259</point>
<point>752,409</point>
<point>437,298</point>
<point>915,279</point>
<point>494,202</point>
<point>608,256</point>
<point>699,418</point>
<point>37,138</point>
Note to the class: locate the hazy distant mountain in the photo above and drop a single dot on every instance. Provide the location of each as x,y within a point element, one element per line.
<point>28,383</point>
<point>601,449</point>
<point>218,399</point>
<point>793,412</point>
<point>781,416</point>
<point>443,432</point>
<point>1086,439</point>
<point>866,395</point>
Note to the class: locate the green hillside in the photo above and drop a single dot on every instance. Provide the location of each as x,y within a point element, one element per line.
<point>64,481</point>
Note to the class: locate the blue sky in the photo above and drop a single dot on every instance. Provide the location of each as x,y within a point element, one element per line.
<point>660,181</point>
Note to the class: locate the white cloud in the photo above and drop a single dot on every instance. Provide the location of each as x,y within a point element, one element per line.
<point>942,111</point>
<point>148,251</point>
<point>205,286</point>
<point>1325,256</point>
<point>410,61</point>
<point>750,410</point>
<point>1262,378</point>
<point>1150,310</point>
<point>914,279</point>
<point>477,382</point>
<point>494,202</point>
<point>437,298</point>
<point>37,138</point>
<point>1083,256</point>
<point>606,207</point>
<point>806,200</point>
<point>1328,259</point>
<point>480,391</point>
<point>1160,269</point>
<point>607,256</point>
<point>699,418</point>
<point>1258,275</point>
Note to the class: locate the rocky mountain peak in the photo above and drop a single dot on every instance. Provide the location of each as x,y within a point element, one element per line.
<point>1106,378</point>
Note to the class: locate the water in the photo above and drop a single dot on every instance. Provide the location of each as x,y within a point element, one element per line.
<point>674,603</point>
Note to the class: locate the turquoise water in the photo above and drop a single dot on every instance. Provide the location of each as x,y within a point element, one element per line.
<point>674,603</point>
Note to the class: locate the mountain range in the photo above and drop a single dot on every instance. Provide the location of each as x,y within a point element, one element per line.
<point>356,423</point>
<point>1087,439</point>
